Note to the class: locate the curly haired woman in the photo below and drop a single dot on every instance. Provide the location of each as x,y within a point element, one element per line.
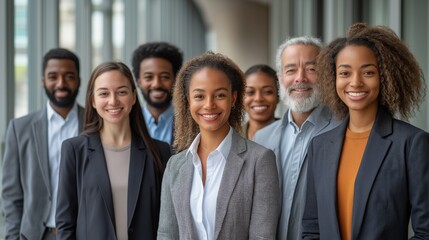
<point>370,175</point>
<point>219,185</point>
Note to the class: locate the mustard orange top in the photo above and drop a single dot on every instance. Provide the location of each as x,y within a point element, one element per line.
<point>351,157</point>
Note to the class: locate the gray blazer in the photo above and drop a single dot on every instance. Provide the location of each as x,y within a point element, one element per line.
<point>248,200</point>
<point>26,191</point>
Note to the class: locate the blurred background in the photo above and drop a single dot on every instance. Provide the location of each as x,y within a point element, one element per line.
<point>248,31</point>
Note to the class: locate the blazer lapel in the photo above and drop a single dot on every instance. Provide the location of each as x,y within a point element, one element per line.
<point>230,176</point>
<point>373,157</point>
<point>138,160</point>
<point>80,114</point>
<point>182,192</point>
<point>99,167</point>
<point>40,136</point>
<point>332,155</point>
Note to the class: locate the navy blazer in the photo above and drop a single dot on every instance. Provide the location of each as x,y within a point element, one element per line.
<point>85,205</point>
<point>391,185</point>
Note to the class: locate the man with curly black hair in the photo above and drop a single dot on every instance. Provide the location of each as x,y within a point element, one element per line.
<point>155,66</point>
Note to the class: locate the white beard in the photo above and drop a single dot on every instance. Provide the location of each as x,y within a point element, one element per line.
<point>301,104</point>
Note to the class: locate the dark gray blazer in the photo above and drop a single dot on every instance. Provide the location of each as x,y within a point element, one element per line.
<point>248,199</point>
<point>26,191</point>
<point>85,204</point>
<point>391,185</point>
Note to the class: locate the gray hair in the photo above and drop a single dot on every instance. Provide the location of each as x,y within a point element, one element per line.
<point>304,40</point>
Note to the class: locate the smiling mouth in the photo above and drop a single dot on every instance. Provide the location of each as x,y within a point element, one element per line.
<point>356,94</point>
<point>210,116</point>
<point>259,108</point>
<point>116,110</point>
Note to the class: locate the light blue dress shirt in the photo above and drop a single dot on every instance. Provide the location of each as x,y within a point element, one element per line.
<point>59,129</point>
<point>204,198</point>
<point>163,130</point>
<point>294,145</point>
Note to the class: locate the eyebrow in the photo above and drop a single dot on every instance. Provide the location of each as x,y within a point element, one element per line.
<point>104,88</point>
<point>363,66</point>
<point>202,90</point>
<point>305,64</point>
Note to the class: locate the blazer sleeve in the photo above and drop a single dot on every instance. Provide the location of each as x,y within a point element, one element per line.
<point>418,184</point>
<point>168,227</point>
<point>12,193</point>
<point>266,198</point>
<point>310,220</point>
<point>67,198</point>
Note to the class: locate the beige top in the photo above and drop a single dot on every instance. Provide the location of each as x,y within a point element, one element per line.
<point>118,164</point>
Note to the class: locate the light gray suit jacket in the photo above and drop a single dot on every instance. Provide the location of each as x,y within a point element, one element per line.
<point>248,200</point>
<point>26,191</point>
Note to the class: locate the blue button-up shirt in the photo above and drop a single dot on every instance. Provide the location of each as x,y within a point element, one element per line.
<point>163,130</point>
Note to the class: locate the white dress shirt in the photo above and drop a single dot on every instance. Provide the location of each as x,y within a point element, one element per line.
<point>204,198</point>
<point>59,129</point>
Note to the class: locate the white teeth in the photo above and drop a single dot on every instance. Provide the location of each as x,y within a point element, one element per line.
<point>209,116</point>
<point>259,108</point>
<point>356,94</point>
<point>114,110</point>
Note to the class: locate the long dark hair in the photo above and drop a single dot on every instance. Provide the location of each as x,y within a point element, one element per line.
<point>93,122</point>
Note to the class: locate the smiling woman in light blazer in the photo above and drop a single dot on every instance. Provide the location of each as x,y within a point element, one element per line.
<point>370,175</point>
<point>110,176</point>
<point>219,185</point>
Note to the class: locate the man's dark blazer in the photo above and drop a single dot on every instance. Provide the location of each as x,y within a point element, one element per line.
<point>85,205</point>
<point>26,180</point>
<point>391,185</point>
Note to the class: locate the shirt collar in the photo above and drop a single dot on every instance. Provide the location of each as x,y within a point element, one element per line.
<point>224,147</point>
<point>52,113</point>
<point>313,118</point>
<point>169,112</point>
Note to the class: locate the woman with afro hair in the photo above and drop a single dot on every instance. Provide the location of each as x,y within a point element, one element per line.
<point>369,176</point>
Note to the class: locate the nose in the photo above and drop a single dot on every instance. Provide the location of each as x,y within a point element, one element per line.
<point>113,99</point>
<point>209,103</point>
<point>300,76</point>
<point>61,82</point>
<point>156,82</point>
<point>355,81</point>
<point>259,96</point>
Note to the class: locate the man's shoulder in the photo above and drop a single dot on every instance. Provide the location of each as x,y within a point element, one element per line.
<point>270,129</point>
<point>25,121</point>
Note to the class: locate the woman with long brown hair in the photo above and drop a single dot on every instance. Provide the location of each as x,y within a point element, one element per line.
<point>110,176</point>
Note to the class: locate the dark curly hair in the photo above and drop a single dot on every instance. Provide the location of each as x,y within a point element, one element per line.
<point>162,50</point>
<point>402,83</point>
<point>93,123</point>
<point>184,126</point>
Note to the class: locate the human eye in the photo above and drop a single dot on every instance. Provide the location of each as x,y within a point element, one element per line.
<point>198,96</point>
<point>310,69</point>
<point>52,77</point>
<point>220,96</point>
<point>249,93</point>
<point>103,94</point>
<point>343,74</point>
<point>70,76</point>
<point>268,92</point>
<point>369,73</point>
<point>290,71</point>
<point>165,77</point>
<point>122,92</point>
<point>147,78</point>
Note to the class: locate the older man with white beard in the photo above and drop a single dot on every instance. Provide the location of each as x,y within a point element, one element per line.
<point>289,137</point>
